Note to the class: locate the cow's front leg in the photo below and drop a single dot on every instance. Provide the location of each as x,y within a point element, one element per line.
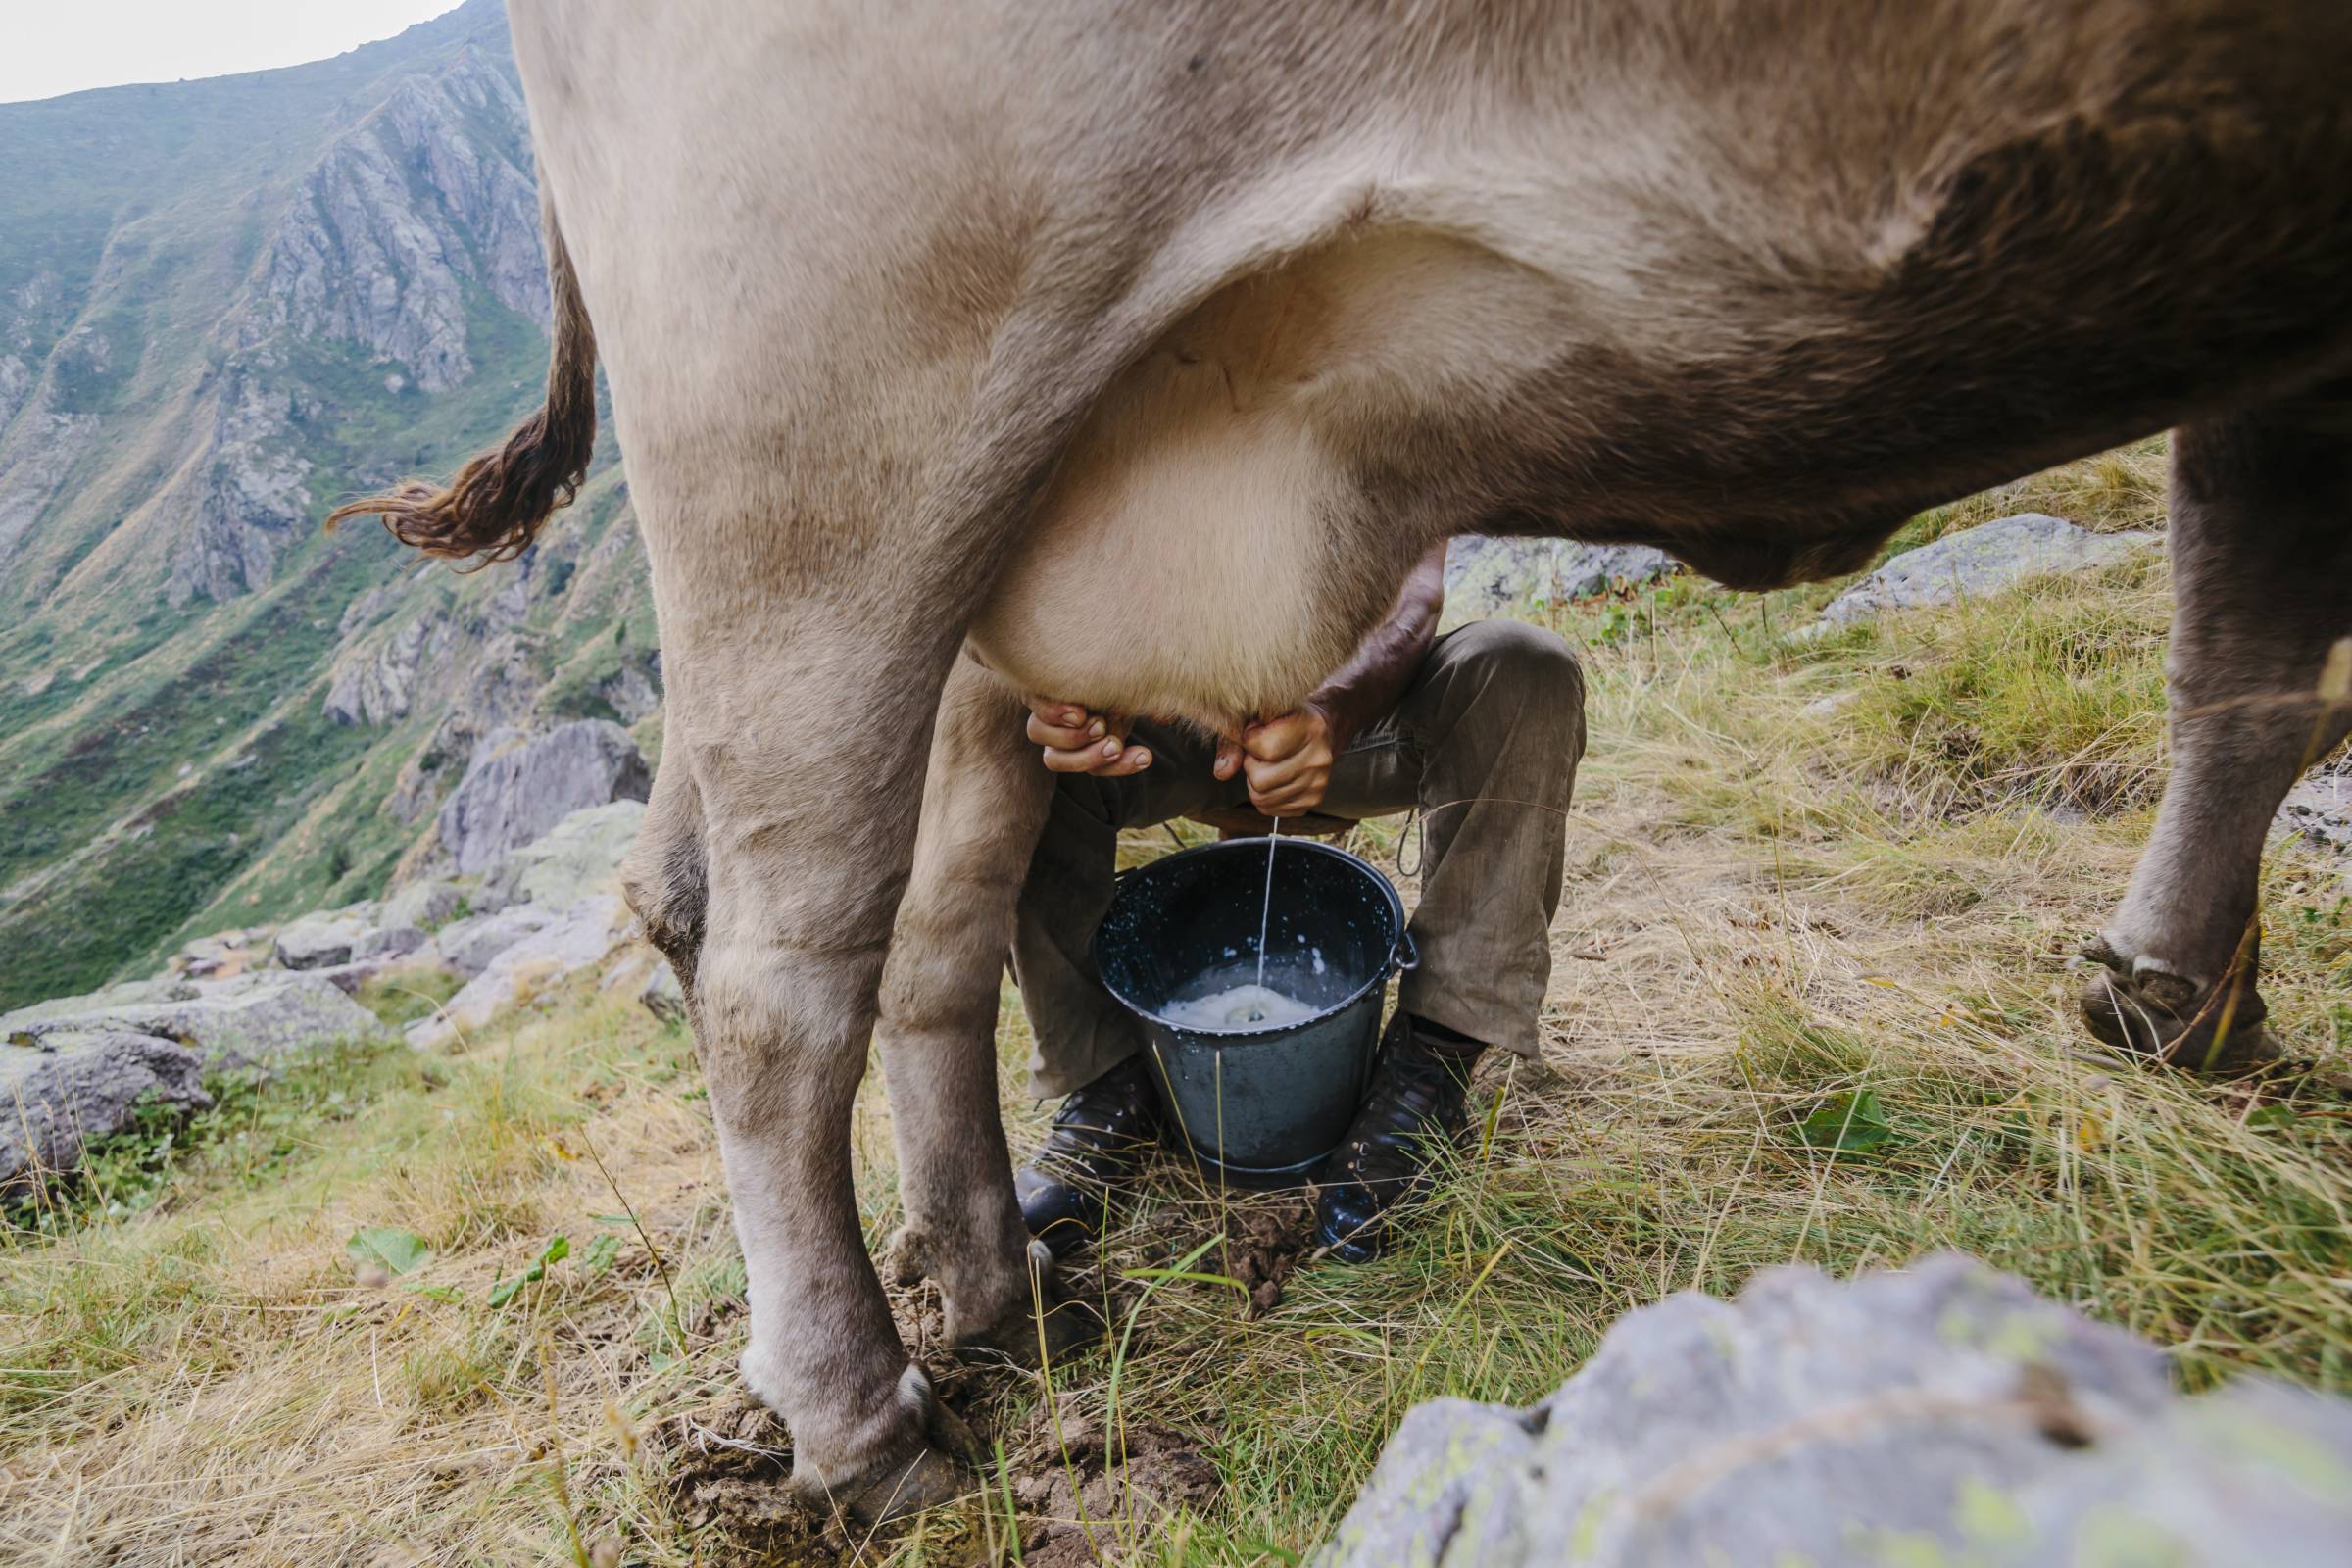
<point>984,802</point>
<point>2261,541</point>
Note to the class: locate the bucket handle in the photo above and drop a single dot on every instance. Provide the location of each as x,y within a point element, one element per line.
<point>1405,957</point>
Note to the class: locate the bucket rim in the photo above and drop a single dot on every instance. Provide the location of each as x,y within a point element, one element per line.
<point>1402,953</point>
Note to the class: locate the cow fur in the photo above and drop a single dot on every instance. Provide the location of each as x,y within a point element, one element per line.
<point>1136,348</point>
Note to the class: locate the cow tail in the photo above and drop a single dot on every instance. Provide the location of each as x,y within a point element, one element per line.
<point>500,498</point>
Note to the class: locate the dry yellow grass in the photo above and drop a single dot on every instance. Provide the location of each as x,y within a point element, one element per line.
<point>1769,907</point>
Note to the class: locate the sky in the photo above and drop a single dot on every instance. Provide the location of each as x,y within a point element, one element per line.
<point>49,47</point>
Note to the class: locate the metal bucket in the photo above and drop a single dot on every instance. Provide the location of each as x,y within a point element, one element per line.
<point>1257,1107</point>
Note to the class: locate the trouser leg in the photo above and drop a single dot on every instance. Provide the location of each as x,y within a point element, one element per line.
<point>1488,737</point>
<point>1486,742</point>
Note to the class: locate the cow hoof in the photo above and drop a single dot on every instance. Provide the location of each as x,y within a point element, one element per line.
<point>1029,1339</point>
<point>938,1464</point>
<point>901,1488</point>
<point>2174,1019</point>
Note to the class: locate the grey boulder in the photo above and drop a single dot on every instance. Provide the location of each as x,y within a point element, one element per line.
<point>1945,1413</point>
<point>246,1021</point>
<point>1490,577</point>
<point>581,855</point>
<point>349,978</point>
<point>643,974</point>
<point>72,1089</point>
<point>579,938</point>
<point>1979,561</point>
<point>387,942</point>
<point>221,954</point>
<point>347,951</point>
<point>663,996</point>
<point>467,946</point>
<point>428,903</point>
<point>517,787</point>
<point>323,940</point>
<point>125,994</point>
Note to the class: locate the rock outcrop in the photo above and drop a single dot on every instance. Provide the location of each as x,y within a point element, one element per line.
<point>663,996</point>
<point>517,787</point>
<point>429,903</point>
<point>71,1088</point>
<point>427,195</point>
<point>224,955</point>
<point>467,946</point>
<point>1942,1414</point>
<point>322,941</point>
<point>243,495</point>
<point>430,192</point>
<point>1489,576</point>
<point>155,990</point>
<point>2319,808</point>
<point>1981,561</point>
<point>377,684</point>
<point>15,386</point>
<point>579,855</point>
<point>581,938</point>
<point>250,1020</point>
<point>36,453</point>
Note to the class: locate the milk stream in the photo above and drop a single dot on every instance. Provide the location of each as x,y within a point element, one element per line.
<point>1248,1005</point>
<point>1266,910</point>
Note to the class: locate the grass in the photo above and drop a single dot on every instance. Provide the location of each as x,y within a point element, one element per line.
<point>400,997</point>
<point>2055,696</point>
<point>1809,1006</point>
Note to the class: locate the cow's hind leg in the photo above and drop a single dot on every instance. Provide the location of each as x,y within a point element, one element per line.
<point>802,744</point>
<point>984,804</point>
<point>2261,555</point>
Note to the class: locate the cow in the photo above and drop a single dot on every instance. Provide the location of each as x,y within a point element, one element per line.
<point>1129,352</point>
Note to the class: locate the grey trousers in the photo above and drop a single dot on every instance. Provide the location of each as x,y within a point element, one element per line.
<point>1485,740</point>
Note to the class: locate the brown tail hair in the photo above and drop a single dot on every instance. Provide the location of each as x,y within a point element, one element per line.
<point>499,499</point>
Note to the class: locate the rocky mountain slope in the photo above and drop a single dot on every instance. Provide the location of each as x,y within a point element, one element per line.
<point>224,306</point>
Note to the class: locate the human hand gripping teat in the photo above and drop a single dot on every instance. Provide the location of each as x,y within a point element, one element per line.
<point>1076,741</point>
<point>1286,759</point>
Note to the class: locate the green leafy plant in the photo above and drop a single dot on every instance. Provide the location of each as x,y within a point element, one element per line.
<point>398,1251</point>
<point>1848,1124</point>
<point>558,1249</point>
<point>597,1256</point>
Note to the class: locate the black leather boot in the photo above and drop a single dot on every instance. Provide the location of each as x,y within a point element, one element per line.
<point>1417,1106</point>
<point>1100,1138</point>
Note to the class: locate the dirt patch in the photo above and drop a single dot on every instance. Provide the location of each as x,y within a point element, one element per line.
<point>729,1467</point>
<point>1261,1248</point>
<point>1259,1241</point>
<point>1083,1484</point>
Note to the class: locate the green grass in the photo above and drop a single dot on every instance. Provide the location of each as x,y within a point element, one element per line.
<point>400,997</point>
<point>261,1125</point>
<point>2056,695</point>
